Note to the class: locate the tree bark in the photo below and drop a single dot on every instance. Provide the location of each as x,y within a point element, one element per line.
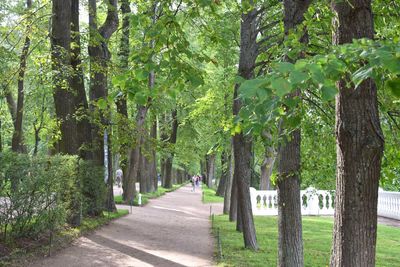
<point>172,141</point>
<point>268,163</point>
<point>17,138</point>
<point>64,97</point>
<point>290,240</point>
<point>210,169</point>
<point>153,162</point>
<point>110,203</point>
<point>121,103</point>
<point>224,174</point>
<point>78,87</point>
<point>242,145</point>
<point>228,185</point>
<point>99,59</point>
<point>359,148</point>
<point>266,170</point>
<point>134,159</point>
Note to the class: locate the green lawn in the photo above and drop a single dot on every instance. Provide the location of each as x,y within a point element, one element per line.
<point>145,197</point>
<point>209,195</point>
<point>317,236</point>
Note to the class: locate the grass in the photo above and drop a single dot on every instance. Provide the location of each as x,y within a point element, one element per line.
<point>21,256</point>
<point>209,195</point>
<point>317,236</point>
<point>145,197</point>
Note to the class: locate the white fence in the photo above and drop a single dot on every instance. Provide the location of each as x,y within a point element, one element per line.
<point>320,202</point>
<point>389,204</point>
<point>314,202</point>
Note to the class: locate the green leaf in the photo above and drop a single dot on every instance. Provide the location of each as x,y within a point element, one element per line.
<point>141,98</point>
<point>316,73</point>
<point>281,86</point>
<point>285,67</point>
<point>298,77</point>
<point>361,75</point>
<point>394,86</point>
<point>102,103</point>
<point>239,79</point>
<point>141,74</point>
<point>328,92</point>
<point>196,80</point>
<point>249,87</point>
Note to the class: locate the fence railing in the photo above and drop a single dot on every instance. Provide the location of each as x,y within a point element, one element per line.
<point>313,202</point>
<point>319,202</point>
<point>389,204</point>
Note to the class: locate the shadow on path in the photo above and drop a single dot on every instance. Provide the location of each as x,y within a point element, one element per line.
<point>133,252</point>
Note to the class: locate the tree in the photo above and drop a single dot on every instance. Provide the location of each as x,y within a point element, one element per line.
<point>290,251</point>
<point>99,61</point>
<point>121,102</point>
<point>170,157</point>
<point>359,149</point>
<point>17,139</point>
<point>242,145</point>
<point>78,86</point>
<point>64,97</point>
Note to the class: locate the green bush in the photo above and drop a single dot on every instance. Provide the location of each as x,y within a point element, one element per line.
<point>42,193</point>
<point>93,188</point>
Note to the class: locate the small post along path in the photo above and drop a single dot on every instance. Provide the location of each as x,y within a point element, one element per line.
<point>173,230</point>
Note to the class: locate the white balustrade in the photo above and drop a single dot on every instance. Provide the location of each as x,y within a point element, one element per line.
<point>389,204</point>
<point>319,202</point>
<point>314,202</point>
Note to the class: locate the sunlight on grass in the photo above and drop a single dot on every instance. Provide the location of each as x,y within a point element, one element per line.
<point>317,236</point>
<point>209,195</point>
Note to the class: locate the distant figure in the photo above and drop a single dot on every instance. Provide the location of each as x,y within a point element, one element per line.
<point>118,179</point>
<point>194,183</point>
<point>197,180</point>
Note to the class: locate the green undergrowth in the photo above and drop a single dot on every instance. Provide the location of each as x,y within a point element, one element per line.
<point>209,195</point>
<point>146,196</point>
<point>317,236</point>
<point>21,252</point>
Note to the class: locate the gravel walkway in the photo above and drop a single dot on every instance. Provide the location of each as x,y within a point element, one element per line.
<point>173,230</point>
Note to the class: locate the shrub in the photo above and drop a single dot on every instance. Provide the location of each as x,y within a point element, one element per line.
<point>93,188</point>
<point>42,193</point>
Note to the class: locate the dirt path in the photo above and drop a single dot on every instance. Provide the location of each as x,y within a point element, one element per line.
<point>173,230</point>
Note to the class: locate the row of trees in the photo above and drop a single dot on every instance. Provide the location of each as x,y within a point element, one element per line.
<point>184,87</point>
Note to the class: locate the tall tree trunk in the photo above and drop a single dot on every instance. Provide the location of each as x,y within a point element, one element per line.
<point>134,159</point>
<point>134,165</point>
<point>12,106</point>
<point>228,186</point>
<point>110,203</point>
<point>224,174</point>
<point>359,148</point>
<point>242,145</point>
<point>172,140</point>
<point>268,163</point>
<point>121,103</point>
<point>17,138</point>
<point>78,87</point>
<point>99,61</point>
<point>266,169</point>
<point>210,169</point>
<point>64,97</point>
<point>290,240</point>
<point>153,162</point>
